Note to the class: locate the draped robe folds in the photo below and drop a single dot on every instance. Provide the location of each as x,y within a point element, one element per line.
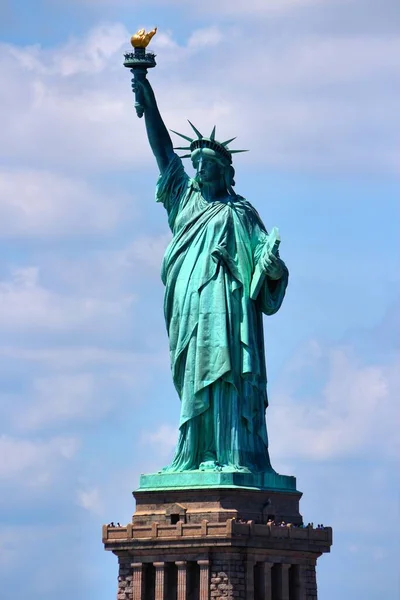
<point>215,329</point>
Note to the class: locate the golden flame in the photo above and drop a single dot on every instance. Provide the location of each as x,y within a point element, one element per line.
<point>141,39</point>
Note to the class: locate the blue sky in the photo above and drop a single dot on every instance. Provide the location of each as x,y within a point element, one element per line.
<point>87,403</point>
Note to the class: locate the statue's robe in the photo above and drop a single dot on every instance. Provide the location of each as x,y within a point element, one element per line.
<point>215,329</point>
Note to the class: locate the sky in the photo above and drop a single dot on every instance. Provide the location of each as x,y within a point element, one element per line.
<point>311,88</point>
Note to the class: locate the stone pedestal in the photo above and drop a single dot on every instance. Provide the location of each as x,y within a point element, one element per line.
<point>215,544</point>
<point>167,507</point>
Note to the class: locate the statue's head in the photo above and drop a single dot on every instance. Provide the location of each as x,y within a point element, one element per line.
<point>211,159</point>
<point>211,167</point>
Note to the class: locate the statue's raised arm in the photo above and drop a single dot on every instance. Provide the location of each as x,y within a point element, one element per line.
<point>157,133</point>
<point>139,62</point>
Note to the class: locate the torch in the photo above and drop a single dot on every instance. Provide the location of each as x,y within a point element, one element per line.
<point>139,61</point>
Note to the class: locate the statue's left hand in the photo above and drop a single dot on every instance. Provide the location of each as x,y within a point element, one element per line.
<point>273,266</point>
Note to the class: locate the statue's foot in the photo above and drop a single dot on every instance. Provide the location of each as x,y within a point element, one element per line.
<point>210,465</point>
<point>165,470</point>
<point>235,469</point>
<point>177,469</point>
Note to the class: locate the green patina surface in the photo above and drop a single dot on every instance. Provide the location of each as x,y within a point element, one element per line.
<point>209,479</point>
<point>222,272</point>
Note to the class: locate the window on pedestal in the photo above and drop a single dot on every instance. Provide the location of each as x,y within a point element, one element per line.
<point>193,581</point>
<point>294,582</point>
<point>174,518</point>
<point>259,593</point>
<point>171,581</point>
<point>149,582</point>
<point>276,582</point>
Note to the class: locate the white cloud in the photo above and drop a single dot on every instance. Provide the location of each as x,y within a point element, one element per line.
<point>354,413</point>
<point>109,272</point>
<point>90,500</point>
<point>91,54</point>
<point>311,101</point>
<point>225,6</point>
<point>34,461</point>
<point>66,387</point>
<point>37,203</point>
<point>64,398</point>
<point>162,440</point>
<point>164,41</point>
<point>209,36</point>
<point>25,304</point>
<point>62,104</point>
<point>148,251</point>
<point>250,7</point>
<point>77,56</point>
<point>82,357</point>
<point>67,398</point>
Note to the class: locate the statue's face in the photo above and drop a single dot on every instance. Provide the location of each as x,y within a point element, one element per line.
<point>208,171</point>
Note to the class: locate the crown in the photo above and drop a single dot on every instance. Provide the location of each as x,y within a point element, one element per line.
<point>210,143</point>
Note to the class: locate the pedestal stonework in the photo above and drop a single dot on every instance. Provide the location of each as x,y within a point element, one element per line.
<point>216,505</point>
<point>215,544</point>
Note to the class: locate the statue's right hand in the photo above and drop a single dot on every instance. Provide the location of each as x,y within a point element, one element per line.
<point>143,92</point>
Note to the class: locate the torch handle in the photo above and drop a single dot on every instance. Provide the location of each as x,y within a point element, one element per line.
<point>138,74</point>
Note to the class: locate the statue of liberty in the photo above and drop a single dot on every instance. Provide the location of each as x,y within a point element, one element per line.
<point>221,274</point>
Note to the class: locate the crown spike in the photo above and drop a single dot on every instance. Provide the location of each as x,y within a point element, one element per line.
<point>186,156</point>
<point>228,142</point>
<point>197,132</point>
<point>212,134</point>
<point>185,137</point>
<point>236,151</point>
<point>181,147</point>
